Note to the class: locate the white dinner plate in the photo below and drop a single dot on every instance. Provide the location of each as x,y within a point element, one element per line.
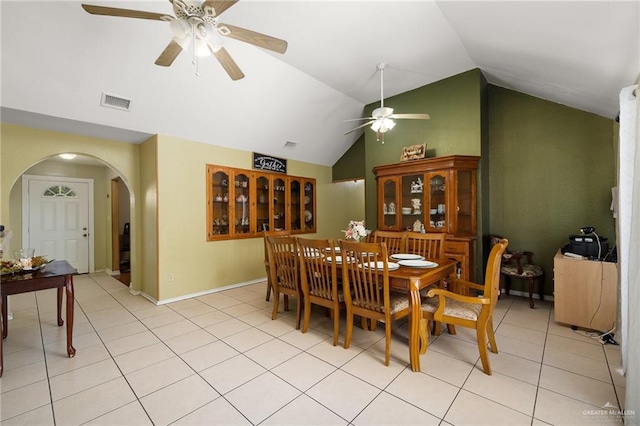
<point>406,256</point>
<point>338,259</point>
<point>418,263</point>
<point>380,265</point>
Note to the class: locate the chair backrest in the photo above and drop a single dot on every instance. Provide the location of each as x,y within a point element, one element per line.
<point>318,276</point>
<point>492,274</point>
<point>283,261</point>
<point>396,241</point>
<point>266,234</point>
<point>364,285</point>
<point>429,245</point>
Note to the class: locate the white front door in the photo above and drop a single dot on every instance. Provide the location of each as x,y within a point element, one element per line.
<point>56,212</point>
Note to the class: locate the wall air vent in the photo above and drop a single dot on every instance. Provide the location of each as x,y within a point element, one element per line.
<point>290,145</point>
<point>114,101</point>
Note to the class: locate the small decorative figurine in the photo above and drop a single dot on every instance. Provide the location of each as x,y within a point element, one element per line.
<point>417,205</point>
<point>416,186</point>
<point>392,208</point>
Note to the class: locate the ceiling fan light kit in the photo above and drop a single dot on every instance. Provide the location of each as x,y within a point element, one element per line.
<point>198,27</point>
<point>381,119</point>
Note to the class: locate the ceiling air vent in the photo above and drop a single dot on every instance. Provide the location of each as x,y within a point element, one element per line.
<point>114,101</point>
<point>290,145</point>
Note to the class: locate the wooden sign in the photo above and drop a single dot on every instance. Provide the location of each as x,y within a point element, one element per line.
<point>272,164</point>
<point>414,152</point>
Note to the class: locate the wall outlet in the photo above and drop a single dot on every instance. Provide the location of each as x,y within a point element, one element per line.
<point>171,277</point>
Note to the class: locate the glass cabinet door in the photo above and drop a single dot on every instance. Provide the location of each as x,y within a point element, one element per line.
<point>389,197</point>
<point>242,215</point>
<point>309,207</point>
<point>412,202</point>
<point>279,204</point>
<point>465,194</point>
<point>263,204</point>
<point>295,210</point>
<point>220,202</point>
<point>437,202</point>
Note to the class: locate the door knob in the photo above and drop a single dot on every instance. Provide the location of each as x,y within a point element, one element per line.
<point>84,228</point>
<point>84,235</point>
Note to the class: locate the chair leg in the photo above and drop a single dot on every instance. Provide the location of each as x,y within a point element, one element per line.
<point>286,302</point>
<point>276,303</point>
<point>387,342</point>
<point>507,287</point>
<point>481,333</point>
<point>307,315</point>
<point>492,338</point>
<point>299,305</point>
<point>335,313</point>
<point>268,290</point>
<point>349,331</point>
<point>530,280</point>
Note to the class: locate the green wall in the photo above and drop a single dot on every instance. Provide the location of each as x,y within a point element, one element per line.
<point>454,127</point>
<point>546,169</point>
<point>551,172</point>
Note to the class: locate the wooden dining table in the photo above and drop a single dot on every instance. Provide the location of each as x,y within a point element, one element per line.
<point>412,280</point>
<point>57,274</point>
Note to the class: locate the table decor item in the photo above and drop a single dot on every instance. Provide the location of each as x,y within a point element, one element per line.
<point>355,231</point>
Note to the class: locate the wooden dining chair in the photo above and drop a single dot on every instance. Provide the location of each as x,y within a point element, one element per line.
<point>467,311</point>
<point>319,279</point>
<point>365,279</point>
<point>265,234</point>
<point>284,268</point>
<point>429,245</point>
<point>396,241</point>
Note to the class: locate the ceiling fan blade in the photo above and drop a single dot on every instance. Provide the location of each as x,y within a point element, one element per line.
<point>126,13</point>
<point>361,126</point>
<point>359,119</point>
<point>216,7</point>
<point>412,116</point>
<point>169,54</point>
<point>228,63</point>
<point>257,39</point>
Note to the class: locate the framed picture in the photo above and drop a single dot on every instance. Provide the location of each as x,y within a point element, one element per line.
<point>413,152</point>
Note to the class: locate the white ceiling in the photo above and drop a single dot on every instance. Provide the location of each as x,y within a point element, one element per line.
<point>57,60</point>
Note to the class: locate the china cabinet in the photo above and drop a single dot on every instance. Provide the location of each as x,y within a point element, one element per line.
<point>243,203</point>
<point>432,195</point>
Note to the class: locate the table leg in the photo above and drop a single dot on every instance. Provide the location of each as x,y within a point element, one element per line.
<point>1,328</point>
<point>68,284</point>
<point>5,328</point>
<point>415,315</point>
<point>60,320</point>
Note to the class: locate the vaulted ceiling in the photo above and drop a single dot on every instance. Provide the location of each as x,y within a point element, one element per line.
<point>58,60</point>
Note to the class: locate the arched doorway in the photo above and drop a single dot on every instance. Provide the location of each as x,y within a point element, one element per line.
<point>81,167</point>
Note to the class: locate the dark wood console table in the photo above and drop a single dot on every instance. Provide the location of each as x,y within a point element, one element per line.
<point>59,275</point>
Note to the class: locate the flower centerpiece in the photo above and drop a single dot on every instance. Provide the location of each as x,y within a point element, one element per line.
<point>355,231</point>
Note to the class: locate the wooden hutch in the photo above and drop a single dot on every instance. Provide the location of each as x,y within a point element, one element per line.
<point>438,194</point>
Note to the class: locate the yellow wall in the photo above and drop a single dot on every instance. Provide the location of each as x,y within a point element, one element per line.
<point>197,265</point>
<point>166,177</point>
<point>149,213</point>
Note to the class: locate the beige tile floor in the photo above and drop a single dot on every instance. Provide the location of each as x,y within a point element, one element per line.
<point>219,359</point>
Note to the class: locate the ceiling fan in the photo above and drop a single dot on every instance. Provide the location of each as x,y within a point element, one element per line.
<point>381,119</point>
<point>198,26</point>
